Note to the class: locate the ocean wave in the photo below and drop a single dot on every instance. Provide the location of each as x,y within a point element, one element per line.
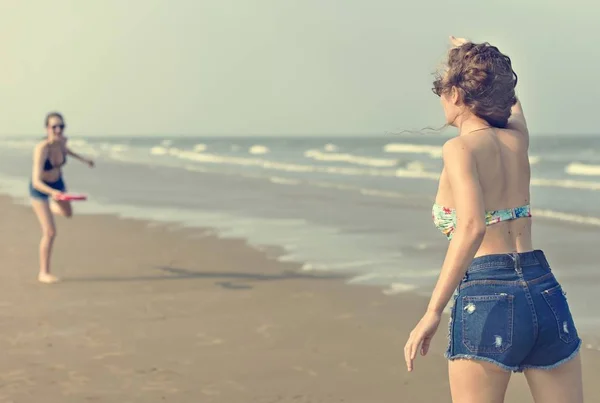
<point>110,148</point>
<point>399,288</point>
<point>84,147</point>
<point>381,193</point>
<point>545,213</point>
<point>432,151</point>
<point>416,171</point>
<point>198,148</point>
<point>19,144</point>
<point>407,148</point>
<point>566,183</point>
<point>118,148</point>
<point>79,145</point>
<point>265,163</point>
<point>284,181</point>
<point>158,150</point>
<point>350,159</point>
<point>413,170</point>
<point>258,149</point>
<point>330,147</point>
<point>576,168</point>
<point>568,217</point>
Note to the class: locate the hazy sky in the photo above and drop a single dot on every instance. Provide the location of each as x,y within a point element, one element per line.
<point>281,66</point>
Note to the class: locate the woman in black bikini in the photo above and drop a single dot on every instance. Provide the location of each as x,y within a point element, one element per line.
<point>46,182</point>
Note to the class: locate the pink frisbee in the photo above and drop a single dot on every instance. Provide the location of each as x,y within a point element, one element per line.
<point>71,197</point>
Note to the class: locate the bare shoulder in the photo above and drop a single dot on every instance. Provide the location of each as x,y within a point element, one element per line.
<point>518,124</point>
<point>456,147</point>
<point>41,147</point>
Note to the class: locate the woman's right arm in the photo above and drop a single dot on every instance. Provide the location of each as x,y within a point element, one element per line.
<point>40,153</point>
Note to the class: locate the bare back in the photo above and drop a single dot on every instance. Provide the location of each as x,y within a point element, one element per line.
<point>504,174</point>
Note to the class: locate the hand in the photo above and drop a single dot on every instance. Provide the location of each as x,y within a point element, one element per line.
<point>90,163</point>
<point>457,42</point>
<point>420,337</point>
<point>57,195</point>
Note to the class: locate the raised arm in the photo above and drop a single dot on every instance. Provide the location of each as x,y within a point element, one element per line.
<point>40,153</point>
<point>517,121</point>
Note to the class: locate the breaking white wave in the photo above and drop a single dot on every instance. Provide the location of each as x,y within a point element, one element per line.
<point>198,148</point>
<point>158,150</point>
<point>413,170</point>
<point>258,149</point>
<point>407,148</point>
<point>567,217</point>
<point>576,168</point>
<point>566,183</point>
<point>350,159</point>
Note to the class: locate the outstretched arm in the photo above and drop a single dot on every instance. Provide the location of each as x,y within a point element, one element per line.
<point>79,157</point>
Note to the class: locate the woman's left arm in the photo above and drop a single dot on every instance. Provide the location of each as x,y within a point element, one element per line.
<point>79,157</point>
<point>461,170</point>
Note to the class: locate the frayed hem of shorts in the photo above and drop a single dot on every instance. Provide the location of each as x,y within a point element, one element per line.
<point>516,369</point>
<point>477,358</point>
<point>557,364</point>
<point>39,198</point>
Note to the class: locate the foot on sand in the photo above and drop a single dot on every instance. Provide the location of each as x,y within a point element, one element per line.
<point>47,278</point>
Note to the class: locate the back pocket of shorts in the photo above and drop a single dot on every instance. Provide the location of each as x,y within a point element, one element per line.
<point>487,323</point>
<point>556,300</point>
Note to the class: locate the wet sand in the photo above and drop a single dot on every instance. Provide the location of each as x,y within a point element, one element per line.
<point>152,313</point>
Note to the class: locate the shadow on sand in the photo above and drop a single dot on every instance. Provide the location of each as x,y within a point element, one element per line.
<point>230,280</point>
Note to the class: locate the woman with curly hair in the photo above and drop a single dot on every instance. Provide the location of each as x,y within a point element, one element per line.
<point>510,314</point>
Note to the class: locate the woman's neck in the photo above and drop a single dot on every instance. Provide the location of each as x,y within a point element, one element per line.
<point>471,124</point>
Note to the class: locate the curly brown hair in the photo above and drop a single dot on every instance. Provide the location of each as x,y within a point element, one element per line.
<point>484,78</point>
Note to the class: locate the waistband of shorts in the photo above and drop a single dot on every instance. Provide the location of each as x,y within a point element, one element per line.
<point>57,182</point>
<point>508,260</point>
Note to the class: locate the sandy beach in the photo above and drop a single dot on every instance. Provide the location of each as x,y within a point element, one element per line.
<point>151,313</point>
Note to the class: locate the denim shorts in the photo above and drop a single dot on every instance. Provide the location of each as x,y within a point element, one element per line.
<point>511,311</point>
<point>59,185</point>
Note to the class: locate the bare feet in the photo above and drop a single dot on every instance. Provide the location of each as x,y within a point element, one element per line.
<point>47,278</point>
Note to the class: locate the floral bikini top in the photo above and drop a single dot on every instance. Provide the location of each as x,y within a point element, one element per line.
<point>444,218</point>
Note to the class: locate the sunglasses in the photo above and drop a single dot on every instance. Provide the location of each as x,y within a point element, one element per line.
<point>61,127</point>
<point>437,87</point>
